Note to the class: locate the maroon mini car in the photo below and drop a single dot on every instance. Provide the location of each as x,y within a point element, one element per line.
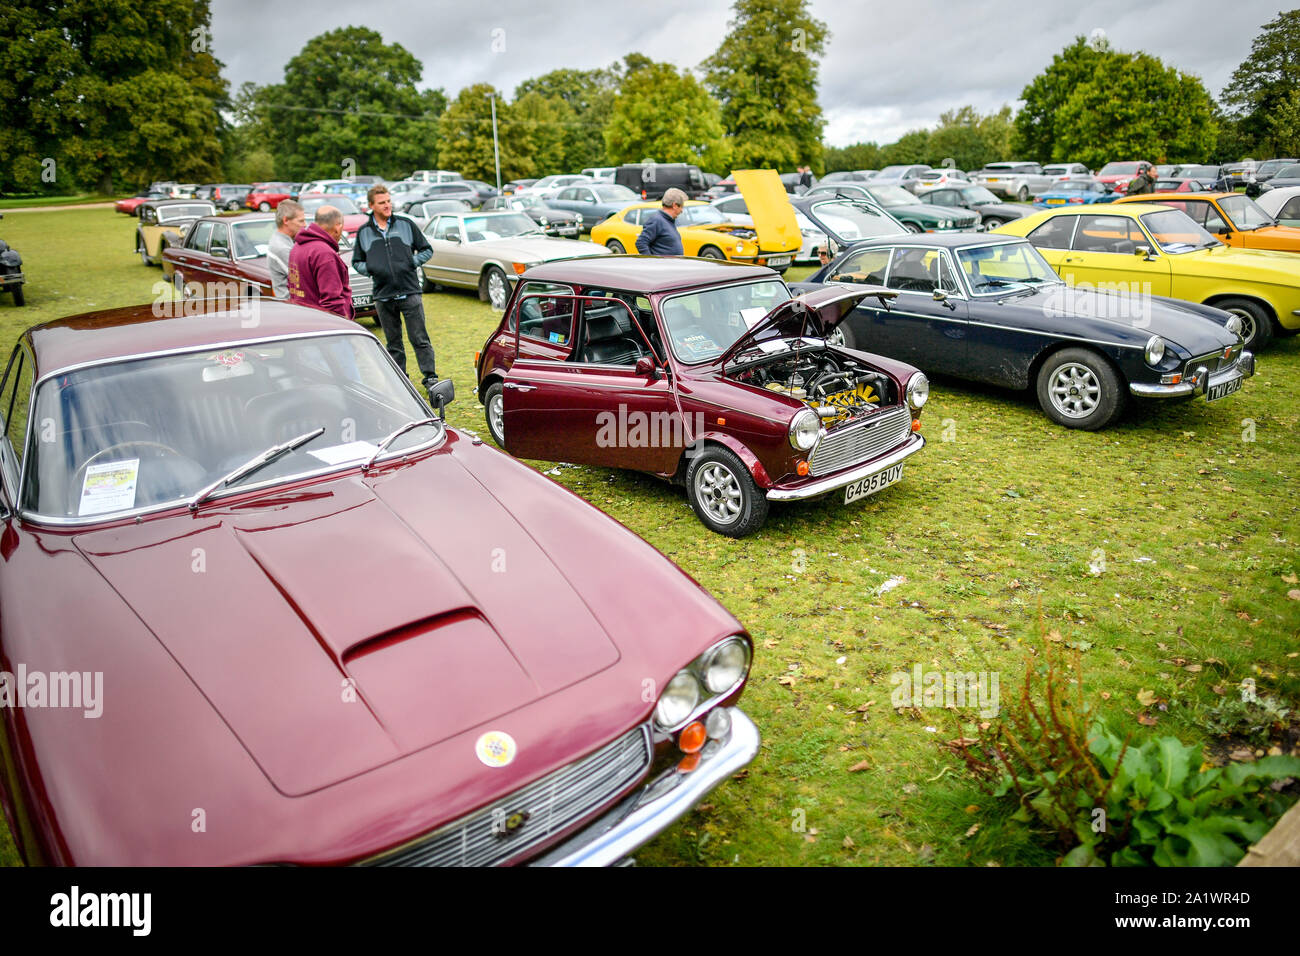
<point>706,373</point>
<point>259,605</point>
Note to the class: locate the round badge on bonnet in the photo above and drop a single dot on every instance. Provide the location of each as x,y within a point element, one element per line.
<point>496,748</point>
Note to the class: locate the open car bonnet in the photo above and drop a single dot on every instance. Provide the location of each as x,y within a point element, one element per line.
<point>769,207</point>
<point>815,314</point>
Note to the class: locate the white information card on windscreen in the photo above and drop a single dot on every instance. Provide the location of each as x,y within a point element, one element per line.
<point>109,486</point>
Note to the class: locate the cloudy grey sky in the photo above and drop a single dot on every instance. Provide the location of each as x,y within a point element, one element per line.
<point>889,66</point>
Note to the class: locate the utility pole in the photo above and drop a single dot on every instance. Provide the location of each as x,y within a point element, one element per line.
<point>496,147</point>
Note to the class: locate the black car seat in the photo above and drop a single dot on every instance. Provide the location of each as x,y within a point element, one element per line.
<point>607,343</point>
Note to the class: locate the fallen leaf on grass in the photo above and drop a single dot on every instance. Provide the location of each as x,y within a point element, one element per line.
<point>865,706</point>
<point>1055,636</point>
<point>1146,698</point>
<point>860,765</point>
<point>926,853</point>
<point>848,843</point>
<point>787,681</point>
<point>1290,579</point>
<point>1105,695</point>
<point>1243,754</point>
<point>1146,720</point>
<point>911,788</point>
<point>1293,594</point>
<point>1193,668</point>
<point>974,828</point>
<point>769,643</point>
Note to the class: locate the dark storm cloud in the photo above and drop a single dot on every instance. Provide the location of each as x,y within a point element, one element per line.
<point>889,67</point>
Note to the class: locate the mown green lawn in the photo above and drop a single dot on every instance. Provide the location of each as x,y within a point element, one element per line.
<point>1160,548</point>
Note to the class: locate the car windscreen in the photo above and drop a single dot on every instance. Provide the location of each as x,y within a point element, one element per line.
<point>1245,213</point>
<point>977,195</point>
<point>849,220</point>
<point>153,432</point>
<point>174,213</point>
<point>343,204</point>
<point>1119,169</point>
<point>252,239</point>
<point>993,269</point>
<point>1176,232</point>
<point>1199,172</point>
<point>701,216</point>
<point>892,196</point>
<point>703,325</point>
<point>615,194</point>
<point>481,228</point>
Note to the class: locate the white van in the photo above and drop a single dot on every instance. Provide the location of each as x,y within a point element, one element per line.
<point>600,173</point>
<point>436,176</point>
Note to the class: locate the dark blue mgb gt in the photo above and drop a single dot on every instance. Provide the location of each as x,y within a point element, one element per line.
<point>990,309</point>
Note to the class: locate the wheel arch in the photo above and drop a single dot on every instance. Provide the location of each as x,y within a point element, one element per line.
<point>733,445</point>
<point>1249,297</point>
<point>1036,366</point>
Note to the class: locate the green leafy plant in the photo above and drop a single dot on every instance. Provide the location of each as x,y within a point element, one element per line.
<point>1115,803</point>
<point>1254,719</point>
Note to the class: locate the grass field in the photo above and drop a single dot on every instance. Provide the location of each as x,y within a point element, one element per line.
<point>1163,549</point>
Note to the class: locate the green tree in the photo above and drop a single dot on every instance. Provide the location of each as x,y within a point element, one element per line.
<point>590,95</point>
<point>667,116</point>
<point>1265,81</point>
<point>847,158</point>
<point>467,137</point>
<point>912,147</point>
<point>970,139</point>
<point>80,80</point>
<point>1036,124</point>
<point>549,123</point>
<point>1284,127</point>
<point>765,76</point>
<point>348,104</point>
<point>1138,109</point>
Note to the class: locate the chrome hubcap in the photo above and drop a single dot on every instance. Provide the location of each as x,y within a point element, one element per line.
<point>1247,324</point>
<point>836,337</point>
<point>1075,390</point>
<point>496,412</point>
<point>497,291</point>
<point>718,492</point>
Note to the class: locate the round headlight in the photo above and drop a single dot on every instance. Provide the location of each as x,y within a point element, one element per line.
<point>579,218</point>
<point>918,390</point>
<point>1233,324</point>
<point>725,666</point>
<point>678,700</point>
<point>545,221</point>
<point>804,428</point>
<point>1155,350</point>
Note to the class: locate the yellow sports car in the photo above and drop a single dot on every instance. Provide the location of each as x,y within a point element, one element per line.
<point>1150,249</point>
<point>164,222</point>
<point>772,240</point>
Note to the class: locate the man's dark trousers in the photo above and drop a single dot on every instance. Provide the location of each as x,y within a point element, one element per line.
<point>391,312</point>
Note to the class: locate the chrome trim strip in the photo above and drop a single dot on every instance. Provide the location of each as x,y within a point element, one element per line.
<point>915,444</point>
<point>632,824</point>
<point>1142,390</point>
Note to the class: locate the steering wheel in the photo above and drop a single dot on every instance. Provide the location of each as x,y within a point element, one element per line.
<point>158,449</point>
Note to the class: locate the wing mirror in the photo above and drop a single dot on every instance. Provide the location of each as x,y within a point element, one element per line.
<point>940,295</point>
<point>441,395</point>
<point>646,366</point>
<point>1144,252</point>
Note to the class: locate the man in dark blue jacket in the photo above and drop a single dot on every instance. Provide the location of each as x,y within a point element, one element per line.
<point>659,236</point>
<point>390,249</point>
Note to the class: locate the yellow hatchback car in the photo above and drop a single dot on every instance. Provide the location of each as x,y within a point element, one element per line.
<point>772,241</point>
<point>1150,249</point>
<point>1234,218</point>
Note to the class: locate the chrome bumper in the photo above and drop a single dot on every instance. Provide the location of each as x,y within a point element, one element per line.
<point>1199,385</point>
<point>831,482</point>
<point>646,813</point>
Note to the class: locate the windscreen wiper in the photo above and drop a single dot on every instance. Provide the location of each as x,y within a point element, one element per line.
<point>256,463</point>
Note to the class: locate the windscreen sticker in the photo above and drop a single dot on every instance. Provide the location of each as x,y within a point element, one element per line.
<point>559,338</point>
<point>109,486</point>
<point>338,454</point>
<point>699,345</point>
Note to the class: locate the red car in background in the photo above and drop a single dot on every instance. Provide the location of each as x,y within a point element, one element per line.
<point>266,196</point>
<point>1117,176</point>
<point>315,625</point>
<point>353,217</point>
<point>129,206</point>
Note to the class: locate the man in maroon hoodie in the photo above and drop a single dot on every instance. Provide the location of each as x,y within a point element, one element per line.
<point>317,275</point>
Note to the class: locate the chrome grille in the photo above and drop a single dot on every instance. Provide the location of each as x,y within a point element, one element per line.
<point>860,441</point>
<point>552,803</point>
<point>1214,361</point>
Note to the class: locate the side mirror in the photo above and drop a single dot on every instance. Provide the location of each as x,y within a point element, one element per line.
<point>646,366</point>
<point>453,238</point>
<point>442,395</point>
<point>940,295</point>
<point>1143,251</point>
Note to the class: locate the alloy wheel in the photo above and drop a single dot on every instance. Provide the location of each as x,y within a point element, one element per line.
<point>1074,390</point>
<point>718,492</point>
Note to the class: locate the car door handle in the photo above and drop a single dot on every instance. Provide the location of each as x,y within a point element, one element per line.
<point>1073,259</point>
<point>520,388</point>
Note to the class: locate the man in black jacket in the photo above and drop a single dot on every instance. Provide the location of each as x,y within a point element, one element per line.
<point>1144,182</point>
<point>659,236</point>
<point>390,249</point>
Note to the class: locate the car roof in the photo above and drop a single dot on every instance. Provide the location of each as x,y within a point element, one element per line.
<point>940,240</point>
<point>137,331</point>
<point>646,274</point>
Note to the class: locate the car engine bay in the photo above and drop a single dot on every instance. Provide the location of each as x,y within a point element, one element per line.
<point>838,388</point>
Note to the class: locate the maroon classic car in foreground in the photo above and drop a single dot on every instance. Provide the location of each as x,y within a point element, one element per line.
<point>277,612</point>
<point>706,373</point>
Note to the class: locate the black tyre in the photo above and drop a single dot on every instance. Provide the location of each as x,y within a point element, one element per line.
<point>494,288</point>
<point>615,247</point>
<point>711,252</point>
<point>1022,194</point>
<point>1078,388</point>
<point>993,223</point>
<point>1256,326</point>
<point>494,412</point>
<point>144,256</point>
<point>913,227</point>
<point>842,335</point>
<point>19,298</point>
<point>425,284</point>
<point>264,206</point>
<point>723,495</point>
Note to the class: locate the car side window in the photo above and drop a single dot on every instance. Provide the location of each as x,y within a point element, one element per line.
<point>219,244</point>
<point>567,195</point>
<point>545,313</point>
<point>1055,233</point>
<point>447,228</point>
<point>1118,235</point>
<point>1211,220</point>
<point>15,396</point>
<point>868,267</point>
<point>198,239</point>
<point>914,270</point>
<point>633,217</point>
<point>610,335</point>
<point>1291,210</point>
<point>947,277</point>
<point>942,197</point>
